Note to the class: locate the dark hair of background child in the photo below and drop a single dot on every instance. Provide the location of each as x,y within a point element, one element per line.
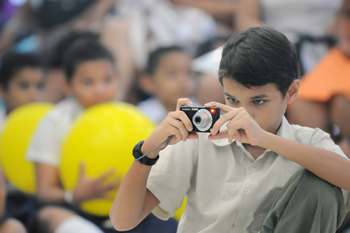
<point>156,56</point>
<point>13,62</point>
<point>84,51</point>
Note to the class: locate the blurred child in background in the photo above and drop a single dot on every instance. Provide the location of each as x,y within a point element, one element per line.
<point>324,97</point>
<point>54,54</point>
<point>21,81</point>
<point>91,79</point>
<point>168,77</point>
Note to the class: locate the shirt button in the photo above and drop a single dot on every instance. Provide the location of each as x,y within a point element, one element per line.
<point>246,191</point>
<point>252,169</point>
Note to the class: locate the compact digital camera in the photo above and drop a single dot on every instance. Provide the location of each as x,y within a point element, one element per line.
<point>202,118</point>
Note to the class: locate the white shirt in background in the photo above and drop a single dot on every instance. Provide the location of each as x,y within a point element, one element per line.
<point>291,17</point>
<point>46,143</point>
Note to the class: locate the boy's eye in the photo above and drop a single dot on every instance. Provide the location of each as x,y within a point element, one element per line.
<point>232,100</point>
<point>171,73</point>
<point>108,79</point>
<point>259,102</point>
<point>86,82</point>
<point>23,85</point>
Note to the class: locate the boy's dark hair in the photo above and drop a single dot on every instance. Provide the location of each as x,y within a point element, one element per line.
<point>84,51</point>
<point>55,53</point>
<point>13,62</point>
<point>259,56</point>
<point>156,56</point>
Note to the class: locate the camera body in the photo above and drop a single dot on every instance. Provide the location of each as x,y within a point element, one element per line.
<point>202,118</point>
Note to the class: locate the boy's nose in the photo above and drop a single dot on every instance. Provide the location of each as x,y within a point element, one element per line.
<point>34,94</point>
<point>100,88</point>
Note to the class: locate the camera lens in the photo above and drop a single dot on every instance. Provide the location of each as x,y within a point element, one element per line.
<point>202,120</point>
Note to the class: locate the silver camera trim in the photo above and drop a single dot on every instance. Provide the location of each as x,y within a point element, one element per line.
<point>205,124</point>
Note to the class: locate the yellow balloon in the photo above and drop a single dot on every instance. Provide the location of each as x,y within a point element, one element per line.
<point>102,138</point>
<point>180,211</point>
<point>15,137</point>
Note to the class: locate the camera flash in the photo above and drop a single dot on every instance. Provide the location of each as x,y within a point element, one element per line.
<point>212,110</point>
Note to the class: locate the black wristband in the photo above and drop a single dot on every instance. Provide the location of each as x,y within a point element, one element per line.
<point>136,152</point>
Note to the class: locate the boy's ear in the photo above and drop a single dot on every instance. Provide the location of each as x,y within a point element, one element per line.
<point>293,91</point>
<point>2,93</point>
<point>146,84</point>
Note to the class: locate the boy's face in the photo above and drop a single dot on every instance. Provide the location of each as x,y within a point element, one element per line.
<point>343,28</point>
<point>173,78</point>
<point>265,104</point>
<point>24,87</point>
<point>94,82</point>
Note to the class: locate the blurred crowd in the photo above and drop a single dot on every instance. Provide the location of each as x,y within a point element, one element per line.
<point>79,53</point>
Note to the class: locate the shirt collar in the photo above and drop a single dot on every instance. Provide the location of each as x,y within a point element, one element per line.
<point>285,131</point>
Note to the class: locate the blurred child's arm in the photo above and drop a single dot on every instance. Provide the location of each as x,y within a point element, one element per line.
<point>24,18</point>
<point>134,201</point>
<point>242,127</point>
<point>49,189</point>
<point>222,10</point>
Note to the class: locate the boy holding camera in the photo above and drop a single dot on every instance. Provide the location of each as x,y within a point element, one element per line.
<point>258,173</point>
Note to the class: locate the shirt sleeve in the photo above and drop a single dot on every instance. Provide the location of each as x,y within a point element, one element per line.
<point>46,142</point>
<point>322,140</point>
<point>171,178</point>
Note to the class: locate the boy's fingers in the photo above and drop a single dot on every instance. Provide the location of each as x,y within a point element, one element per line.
<point>236,126</point>
<point>114,184</point>
<point>222,120</point>
<point>186,121</point>
<point>116,181</point>
<point>106,175</point>
<point>177,135</point>
<point>182,102</point>
<point>82,169</point>
<point>222,134</point>
<point>181,128</point>
<point>193,136</point>
<point>107,197</point>
<point>183,119</point>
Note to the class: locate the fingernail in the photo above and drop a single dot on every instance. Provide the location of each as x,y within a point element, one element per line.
<point>213,131</point>
<point>190,103</point>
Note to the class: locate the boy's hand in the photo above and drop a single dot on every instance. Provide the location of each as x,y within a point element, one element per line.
<point>241,126</point>
<point>88,189</point>
<point>176,123</point>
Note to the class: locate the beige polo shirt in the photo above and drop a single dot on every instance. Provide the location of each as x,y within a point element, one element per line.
<point>227,189</point>
<point>47,140</point>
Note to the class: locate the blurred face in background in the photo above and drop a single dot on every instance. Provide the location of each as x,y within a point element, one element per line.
<point>24,87</point>
<point>343,28</point>
<point>173,79</point>
<point>94,82</point>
